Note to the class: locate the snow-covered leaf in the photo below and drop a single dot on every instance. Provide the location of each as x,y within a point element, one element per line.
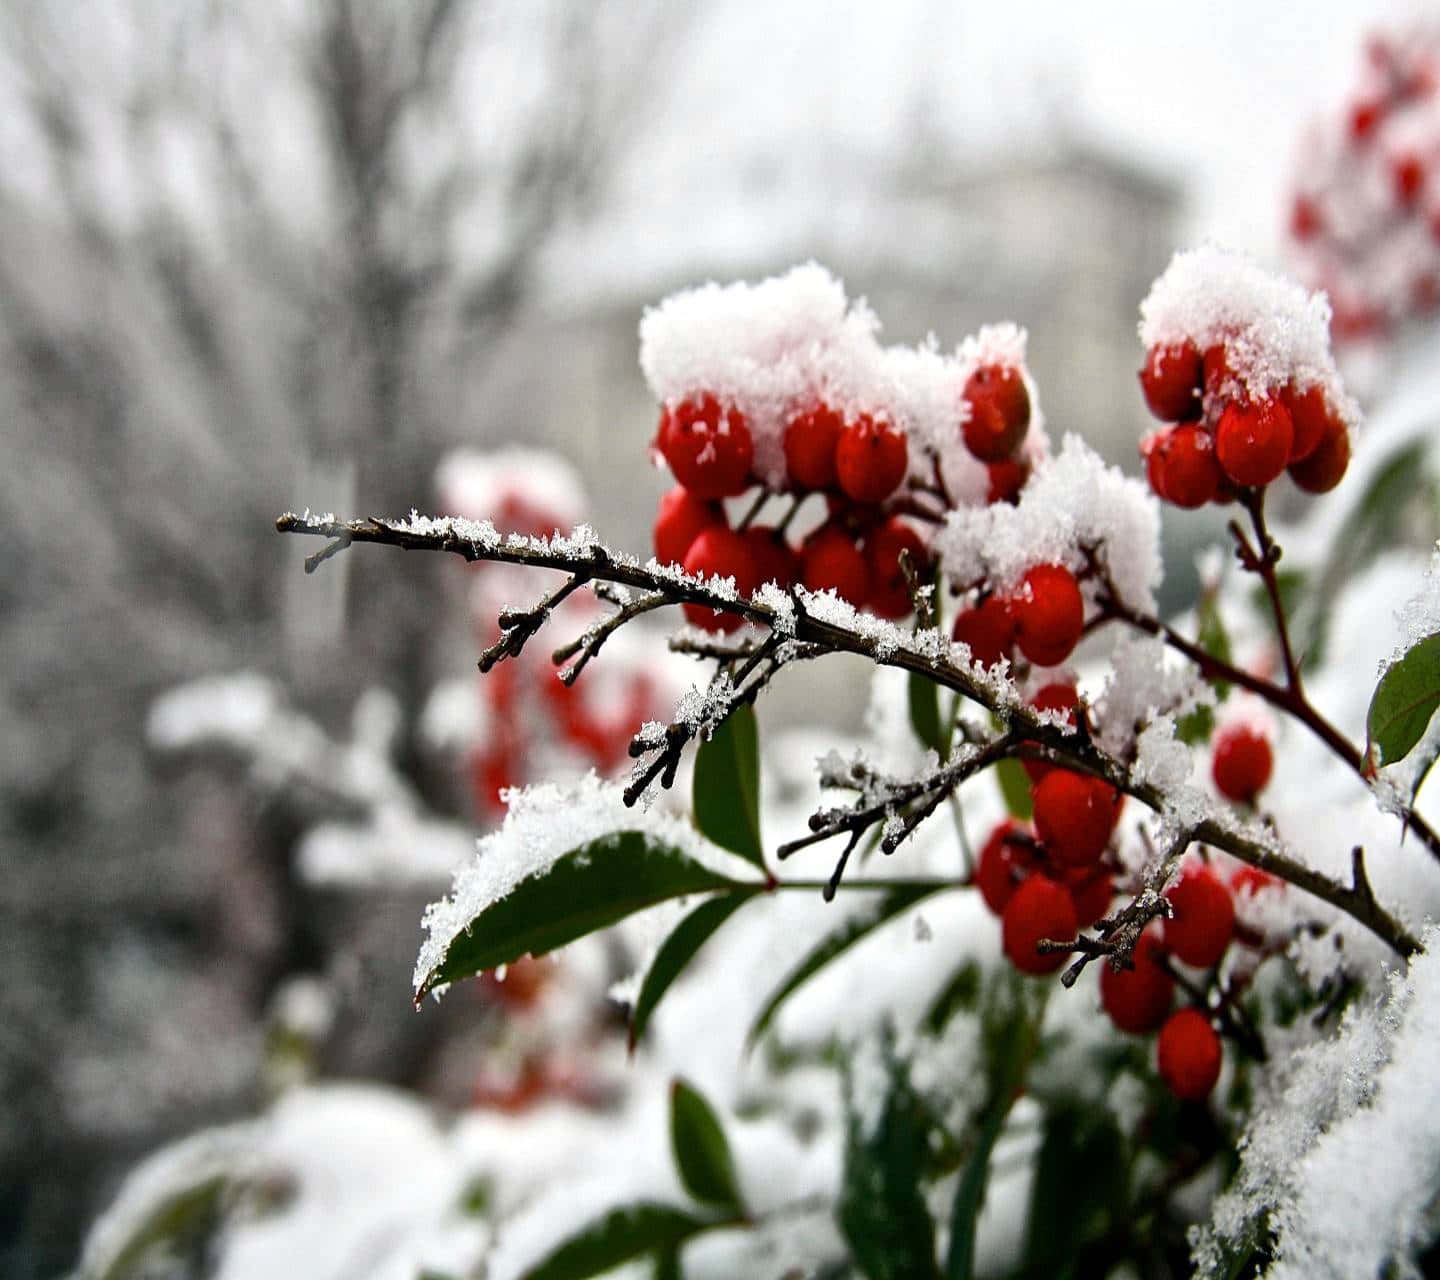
<point>702,1155</point>
<point>678,950</point>
<point>727,786</point>
<point>1404,702</point>
<point>583,890</point>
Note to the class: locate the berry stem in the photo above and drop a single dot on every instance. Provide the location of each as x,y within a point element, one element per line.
<point>1263,562</point>
<point>753,510</point>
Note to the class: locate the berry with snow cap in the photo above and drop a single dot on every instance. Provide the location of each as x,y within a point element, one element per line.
<point>708,448</point>
<point>1181,465</point>
<point>1171,381</point>
<point>830,561</point>
<point>809,443</point>
<point>999,414</point>
<point>1049,614</point>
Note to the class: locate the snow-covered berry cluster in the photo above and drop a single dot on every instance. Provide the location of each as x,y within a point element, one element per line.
<point>1364,219</point>
<point>782,389</point>
<point>1238,364</point>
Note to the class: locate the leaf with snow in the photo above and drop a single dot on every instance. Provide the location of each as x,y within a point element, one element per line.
<point>567,860</point>
<point>727,786</point>
<point>1015,788</point>
<point>702,1155</point>
<point>1404,702</point>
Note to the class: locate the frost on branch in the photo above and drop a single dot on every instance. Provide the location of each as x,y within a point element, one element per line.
<point>1340,1164</point>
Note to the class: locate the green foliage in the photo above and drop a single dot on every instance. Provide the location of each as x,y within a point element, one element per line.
<point>622,1234</point>
<point>702,1154</point>
<point>177,1224</point>
<point>835,944</point>
<point>881,1211</point>
<point>582,891</point>
<point>727,786</point>
<point>678,950</point>
<point>925,715</point>
<point>960,993</point>
<point>1015,788</point>
<point>1078,1192</point>
<point>1403,703</point>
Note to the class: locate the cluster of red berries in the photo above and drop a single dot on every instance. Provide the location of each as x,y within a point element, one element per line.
<point>856,552</point>
<point>1365,219</point>
<point>1051,879</point>
<point>1219,440</point>
<point>1044,617</point>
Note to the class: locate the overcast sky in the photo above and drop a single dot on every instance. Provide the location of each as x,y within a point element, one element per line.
<point>1215,91</point>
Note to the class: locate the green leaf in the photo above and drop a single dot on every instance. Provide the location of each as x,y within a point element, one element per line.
<point>185,1218</point>
<point>1079,1189</point>
<point>622,1234</point>
<point>1214,639</point>
<point>1404,701</point>
<point>1015,788</point>
<point>702,1155</point>
<point>970,1194</point>
<point>833,945</point>
<point>678,950</point>
<point>582,891</point>
<point>881,1211</point>
<point>727,786</point>
<point>925,714</point>
<point>1196,727</point>
<point>961,992</point>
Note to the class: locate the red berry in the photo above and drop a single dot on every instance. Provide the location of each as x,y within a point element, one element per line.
<point>1091,889</point>
<point>775,560</point>
<point>830,561</point>
<point>1305,221</point>
<point>1074,816</point>
<point>889,593</point>
<point>989,630</point>
<point>1007,478</point>
<point>1182,466</point>
<point>681,518</point>
<point>1004,862</point>
<point>999,412</point>
<point>1059,695</point>
<point>1325,467</point>
<point>1138,999</point>
<point>870,459</point>
<point>1040,908</point>
<point>1408,174</point>
<point>1242,762</point>
<point>1188,1053</point>
<point>810,440</point>
<point>721,552</point>
<point>1219,378</point>
<point>1171,381</point>
<point>1249,881</point>
<point>1364,116</point>
<point>1310,416</point>
<point>1049,614</point>
<point>709,451</point>
<point>1253,441</point>
<point>1204,919</point>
